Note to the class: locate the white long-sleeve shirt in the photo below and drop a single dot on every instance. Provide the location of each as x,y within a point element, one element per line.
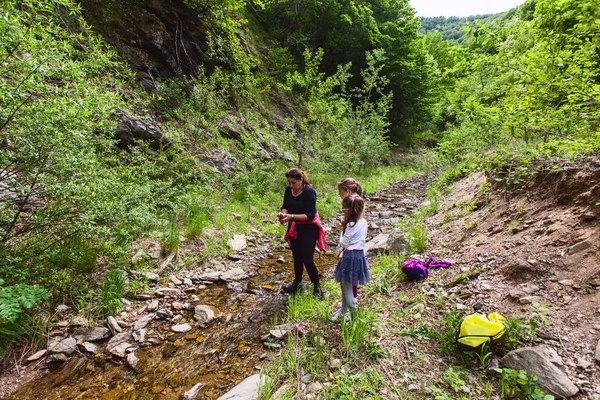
<point>355,236</point>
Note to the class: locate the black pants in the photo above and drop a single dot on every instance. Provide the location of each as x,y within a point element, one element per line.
<point>303,250</point>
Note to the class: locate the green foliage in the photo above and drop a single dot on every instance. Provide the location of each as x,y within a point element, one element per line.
<point>112,290</point>
<point>519,385</point>
<point>16,304</point>
<point>416,236</point>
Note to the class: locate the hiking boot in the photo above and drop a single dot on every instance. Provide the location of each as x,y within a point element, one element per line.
<point>318,292</point>
<point>291,288</point>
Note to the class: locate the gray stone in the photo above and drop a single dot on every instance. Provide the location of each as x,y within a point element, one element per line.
<point>66,346</point>
<point>167,292</point>
<point>237,243</point>
<point>164,313</point>
<point>597,357</point>
<point>282,392</point>
<point>113,325</point>
<point>210,276</point>
<point>546,364</point>
<point>203,313</point>
<point>120,349</point>
<point>583,363</point>
<point>281,260</point>
<point>235,274</point>
<point>130,132</point>
<point>522,290</point>
<point>118,339</point>
<point>181,328</point>
<point>132,360</point>
<point>567,282</point>
<point>153,306</point>
<point>177,305</point>
<point>187,282</point>
<point>89,347</point>
<point>413,387</point>
<point>193,392</point>
<point>246,390</point>
<point>396,242</point>
<point>62,308</point>
<point>37,355</point>
<point>314,387</point>
<point>306,378</point>
<point>281,331</point>
<point>151,276</point>
<point>175,280</point>
<point>143,322</point>
<point>581,246</point>
<point>529,299</point>
<point>377,244</point>
<point>139,335</point>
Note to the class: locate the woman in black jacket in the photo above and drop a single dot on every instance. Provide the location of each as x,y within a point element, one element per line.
<point>299,211</point>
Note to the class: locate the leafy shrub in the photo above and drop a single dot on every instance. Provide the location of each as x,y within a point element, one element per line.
<point>16,302</point>
<point>112,290</point>
<point>519,385</point>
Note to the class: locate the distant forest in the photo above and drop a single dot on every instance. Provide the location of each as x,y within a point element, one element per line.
<point>451,27</point>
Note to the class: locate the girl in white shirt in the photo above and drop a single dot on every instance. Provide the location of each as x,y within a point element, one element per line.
<point>352,269</point>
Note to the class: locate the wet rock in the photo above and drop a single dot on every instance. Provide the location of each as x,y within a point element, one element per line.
<point>116,340</point>
<point>377,244</point>
<point>245,390</point>
<point>581,246</point>
<point>143,297</point>
<point>210,276</point>
<point>132,360</point>
<point>68,371</point>
<point>167,292</point>
<point>386,214</point>
<point>237,243</point>
<point>306,378</point>
<point>56,359</point>
<point>234,257</point>
<point>113,325</point>
<point>143,322</point>
<point>89,347</point>
<point>153,306</point>
<point>235,274</point>
<point>125,302</point>
<point>66,346</point>
<point>77,321</point>
<point>396,242</point>
<point>546,364</point>
<point>177,305</point>
<point>281,260</point>
<point>187,282</point>
<point>181,328</point>
<point>203,313</point>
<point>37,355</point>
<point>164,313</point>
<point>192,393</point>
<point>120,349</point>
<point>597,357</point>
<point>139,335</point>
<point>175,280</point>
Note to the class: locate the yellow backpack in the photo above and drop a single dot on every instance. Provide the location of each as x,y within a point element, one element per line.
<point>477,329</point>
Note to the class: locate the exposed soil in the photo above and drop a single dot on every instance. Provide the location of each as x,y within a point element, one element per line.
<point>544,231</point>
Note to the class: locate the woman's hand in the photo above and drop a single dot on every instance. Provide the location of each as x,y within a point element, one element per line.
<point>283,217</point>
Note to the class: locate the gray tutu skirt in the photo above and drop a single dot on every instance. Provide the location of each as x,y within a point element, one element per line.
<point>353,268</point>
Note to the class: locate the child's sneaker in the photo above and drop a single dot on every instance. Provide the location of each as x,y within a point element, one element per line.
<point>338,315</point>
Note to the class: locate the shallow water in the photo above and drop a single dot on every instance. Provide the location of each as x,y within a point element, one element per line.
<point>218,355</point>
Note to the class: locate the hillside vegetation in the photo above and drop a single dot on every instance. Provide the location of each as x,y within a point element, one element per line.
<point>228,94</point>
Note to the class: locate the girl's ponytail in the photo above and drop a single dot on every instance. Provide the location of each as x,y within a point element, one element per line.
<point>355,205</point>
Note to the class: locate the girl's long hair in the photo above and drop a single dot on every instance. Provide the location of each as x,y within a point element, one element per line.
<point>355,205</point>
<point>350,185</point>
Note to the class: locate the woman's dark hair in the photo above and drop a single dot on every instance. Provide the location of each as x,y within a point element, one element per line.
<point>297,173</point>
<point>350,185</point>
<point>355,205</point>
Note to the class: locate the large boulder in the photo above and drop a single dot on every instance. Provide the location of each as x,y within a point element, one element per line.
<point>546,364</point>
<point>132,132</point>
<point>245,390</point>
<point>377,244</point>
<point>396,242</point>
